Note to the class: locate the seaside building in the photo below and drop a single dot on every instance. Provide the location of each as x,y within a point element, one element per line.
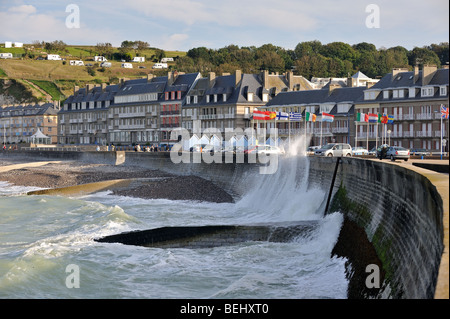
<point>332,99</point>
<point>413,99</point>
<point>228,101</point>
<point>140,111</point>
<point>18,123</point>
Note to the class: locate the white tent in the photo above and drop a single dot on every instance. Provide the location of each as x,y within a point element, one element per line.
<point>40,138</point>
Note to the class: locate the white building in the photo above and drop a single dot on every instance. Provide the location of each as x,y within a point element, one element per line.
<point>8,44</point>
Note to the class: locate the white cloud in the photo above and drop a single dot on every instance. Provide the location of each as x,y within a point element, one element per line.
<point>173,42</point>
<point>23,9</point>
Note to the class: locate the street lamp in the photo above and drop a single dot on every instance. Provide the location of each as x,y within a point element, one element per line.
<point>389,136</point>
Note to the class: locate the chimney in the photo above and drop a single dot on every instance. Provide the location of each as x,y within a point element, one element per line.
<point>170,78</point>
<point>75,89</point>
<point>89,88</point>
<point>396,71</point>
<point>237,76</point>
<point>369,84</point>
<point>211,78</point>
<point>103,87</point>
<point>150,77</point>
<point>428,72</point>
<point>331,87</point>
<point>416,73</point>
<point>290,80</point>
<point>265,79</point>
<point>349,82</point>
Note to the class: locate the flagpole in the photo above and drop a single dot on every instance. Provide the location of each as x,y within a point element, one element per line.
<point>367,135</point>
<point>356,134</point>
<point>321,124</point>
<point>441,137</point>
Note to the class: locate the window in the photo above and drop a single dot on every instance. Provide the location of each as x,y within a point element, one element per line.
<point>428,91</point>
<point>386,94</point>
<point>250,96</point>
<point>443,90</point>
<point>188,100</point>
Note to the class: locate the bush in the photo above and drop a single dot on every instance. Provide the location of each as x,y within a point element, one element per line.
<point>90,70</point>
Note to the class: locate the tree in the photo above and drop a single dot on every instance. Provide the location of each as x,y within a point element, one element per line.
<point>139,46</point>
<point>423,56</point>
<point>104,49</point>
<point>308,48</point>
<point>341,51</point>
<point>442,51</point>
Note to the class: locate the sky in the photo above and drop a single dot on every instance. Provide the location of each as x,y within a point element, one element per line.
<point>185,24</point>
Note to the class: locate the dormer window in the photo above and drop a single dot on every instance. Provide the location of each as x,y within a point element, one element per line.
<point>195,99</point>
<point>215,98</point>
<point>443,90</point>
<point>166,96</point>
<point>224,97</point>
<point>172,97</point>
<point>386,94</point>
<point>178,95</point>
<point>188,100</point>
<point>207,99</point>
<point>428,91</point>
<point>250,96</point>
<point>265,97</point>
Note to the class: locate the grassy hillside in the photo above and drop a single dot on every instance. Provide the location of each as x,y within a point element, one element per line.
<point>58,78</point>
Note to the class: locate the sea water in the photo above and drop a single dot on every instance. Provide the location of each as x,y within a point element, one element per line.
<point>47,247</point>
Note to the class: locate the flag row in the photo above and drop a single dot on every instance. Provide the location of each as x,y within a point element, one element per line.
<point>269,115</point>
<point>374,118</point>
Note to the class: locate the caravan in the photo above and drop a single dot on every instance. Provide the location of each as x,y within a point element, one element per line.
<point>139,59</point>
<point>6,55</point>
<point>164,60</point>
<point>160,66</point>
<point>99,58</point>
<point>74,62</point>
<point>53,57</point>
<point>127,65</point>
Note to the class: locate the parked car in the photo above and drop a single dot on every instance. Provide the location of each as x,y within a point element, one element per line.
<point>419,152</point>
<point>359,151</point>
<point>265,149</point>
<point>381,151</point>
<point>310,150</point>
<point>397,152</point>
<point>334,149</point>
<point>373,151</point>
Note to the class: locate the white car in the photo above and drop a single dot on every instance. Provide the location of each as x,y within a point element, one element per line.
<point>360,151</point>
<point>265,149</point>
<point>335,149</point>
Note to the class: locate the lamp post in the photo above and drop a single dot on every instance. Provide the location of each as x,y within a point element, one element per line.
<point>389,136</point>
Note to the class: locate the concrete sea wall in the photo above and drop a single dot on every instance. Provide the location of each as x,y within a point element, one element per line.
<point>398,210</point>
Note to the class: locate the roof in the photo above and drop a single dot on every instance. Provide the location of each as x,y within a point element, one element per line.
<point>316,97</point>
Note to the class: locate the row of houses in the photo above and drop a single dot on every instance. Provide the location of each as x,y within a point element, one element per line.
<point>18,123</point>
<point>145,111</point>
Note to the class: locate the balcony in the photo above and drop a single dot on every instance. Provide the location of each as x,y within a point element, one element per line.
<point>339,130</point>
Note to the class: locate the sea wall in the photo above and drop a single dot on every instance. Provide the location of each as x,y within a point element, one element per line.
<point>398,210</point>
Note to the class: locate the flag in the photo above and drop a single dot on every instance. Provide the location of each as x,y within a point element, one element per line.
<point>390,119</point>
<point>282,116</point>
<point>373,118</point>
<point>444,112</point>
<point>383,118</point>
<point>327,117</point>
<point>360,117</point>
<point>263,115</point>
<point>295,116</point>
<point>310,117</point>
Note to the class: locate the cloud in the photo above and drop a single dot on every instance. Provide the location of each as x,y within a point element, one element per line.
<point>23,9</point>
<point>174,42</point>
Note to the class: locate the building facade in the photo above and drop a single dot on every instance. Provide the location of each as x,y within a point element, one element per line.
<point>413,99</point>
<point>18,123</point>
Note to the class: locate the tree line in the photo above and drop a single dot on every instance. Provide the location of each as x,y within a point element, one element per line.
<point>312,58</point>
